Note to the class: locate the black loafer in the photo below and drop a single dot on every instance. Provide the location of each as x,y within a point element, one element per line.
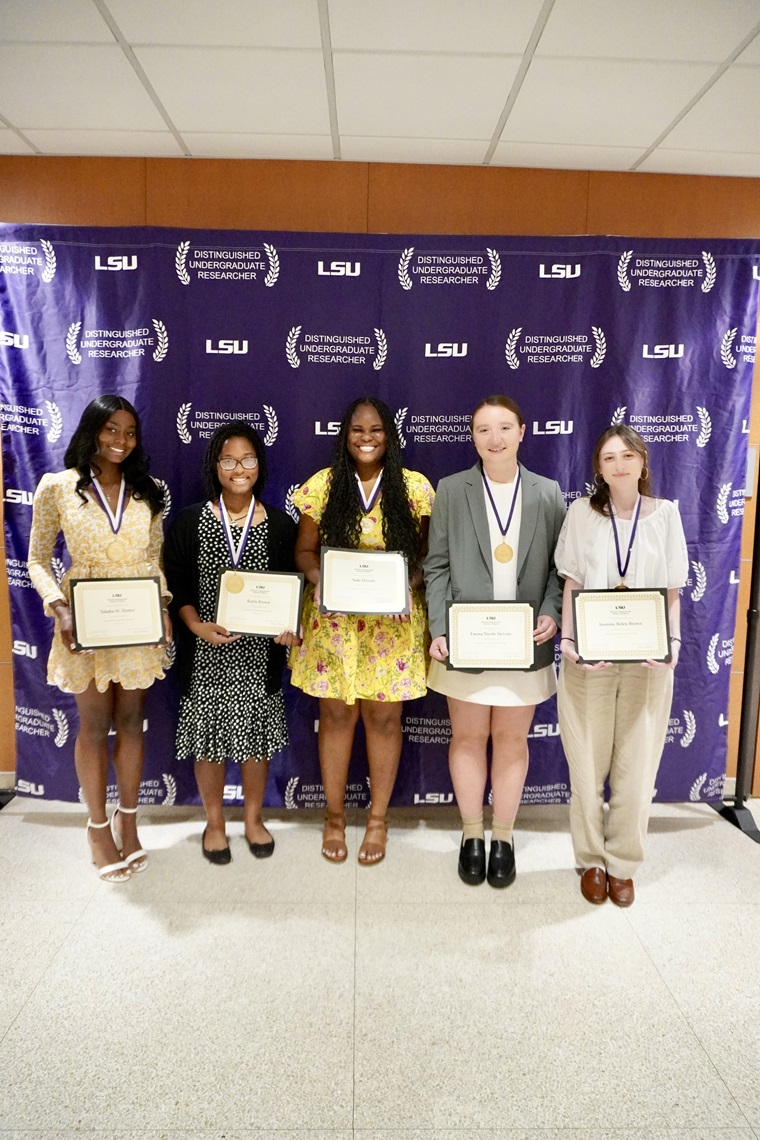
<point>472,861</point>
<point>501,864</point>
<point>261,850</point>
<point>220,858</point>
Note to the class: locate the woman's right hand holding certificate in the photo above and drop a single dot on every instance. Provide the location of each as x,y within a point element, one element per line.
<point>439,649</point>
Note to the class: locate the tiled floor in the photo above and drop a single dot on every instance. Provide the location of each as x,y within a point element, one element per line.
<point>291,999</point>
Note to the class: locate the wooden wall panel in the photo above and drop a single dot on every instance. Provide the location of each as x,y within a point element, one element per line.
<point>73,191</point>
<point>673,205</point>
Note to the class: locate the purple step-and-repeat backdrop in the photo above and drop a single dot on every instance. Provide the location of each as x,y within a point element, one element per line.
<point>284,329</point>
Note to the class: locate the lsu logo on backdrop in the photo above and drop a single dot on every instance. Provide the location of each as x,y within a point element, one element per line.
<point>227,347</point>
<point>666,272</point>
<point>339,269</point>
<point>115,263</point>
<point>539,731</point>
<point>231,263</point>
<point>553,427</point>
<point>14,340</point>
<point>445,349</point>
<point>434,798</point>
<point>25,649</point>
<point>756,272</point>
<point>36,722</point>
<point>29,788</point>
<point>204,422</point>
<point>662,351</point>
<point>19,497</point>
<point>559,272</point>
<point>331,427</point>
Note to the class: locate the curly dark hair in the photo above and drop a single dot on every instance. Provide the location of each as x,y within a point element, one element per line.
<point>341,521</point>
<point>600,500</point>
<point>83,449</point>
<point>236,429</point>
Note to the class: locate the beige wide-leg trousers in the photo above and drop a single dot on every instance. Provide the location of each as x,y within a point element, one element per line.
<point>613,724</point>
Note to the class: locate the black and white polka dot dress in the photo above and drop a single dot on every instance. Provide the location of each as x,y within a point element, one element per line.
<point>227,713</point>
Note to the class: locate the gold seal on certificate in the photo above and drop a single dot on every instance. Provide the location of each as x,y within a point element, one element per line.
<point>263,603</point>
<point>363,582</point>
<point>621,625</point>
<point>112,613</point>
<point>490,635</point>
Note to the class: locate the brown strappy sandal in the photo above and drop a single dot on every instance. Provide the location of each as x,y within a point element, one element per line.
<point>334,849</point>
<point>373,850</point>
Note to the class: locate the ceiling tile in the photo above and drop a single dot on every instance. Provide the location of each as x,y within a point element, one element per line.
<point>751,54</point>
<point>446,152</point>
<point>553,157</point>
<point>398,96</point>
<point>597,103</point>
<point>252,23</point>
<point>223,145</point>
<point>726,118</point>
<point>73,86</point>
<point>136,144</point>
<point>433,25</point>
<point>10,143</point>
<point>667,161</point>
<point>239,91</point>
<point>53,21</point>
<point>648,29</point>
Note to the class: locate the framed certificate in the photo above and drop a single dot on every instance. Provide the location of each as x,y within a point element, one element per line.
<point>363,582</point>
<point>113,613</point>
<point>261,602</point>
<point>621,625</point>
<point>490,635</point>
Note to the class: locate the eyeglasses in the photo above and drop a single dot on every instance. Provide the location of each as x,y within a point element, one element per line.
<point>248,462</point>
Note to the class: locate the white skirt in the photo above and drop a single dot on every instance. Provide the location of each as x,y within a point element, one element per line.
<point>494,686</point>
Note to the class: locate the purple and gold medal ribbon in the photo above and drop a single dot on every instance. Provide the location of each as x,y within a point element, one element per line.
<point>623,566</point>
<point>236,552</point>
<point>368,501</point>
<point>502,527</point>
<point>113,518</point>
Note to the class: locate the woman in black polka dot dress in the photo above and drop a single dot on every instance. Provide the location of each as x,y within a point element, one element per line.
<point>232,705</point>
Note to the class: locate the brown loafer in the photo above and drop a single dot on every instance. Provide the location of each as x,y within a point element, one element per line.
<point>620,890</point>
<point>594,885</point>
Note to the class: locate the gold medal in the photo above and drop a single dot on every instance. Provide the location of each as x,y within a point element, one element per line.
<point>622,586</point>
<point>233,583</point>
<point>116,550</point>
<point>503,552</point>
<point>366,525</point>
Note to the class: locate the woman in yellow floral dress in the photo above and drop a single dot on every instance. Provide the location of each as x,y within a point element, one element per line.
<point>109,510</point>
<point>362,664</point>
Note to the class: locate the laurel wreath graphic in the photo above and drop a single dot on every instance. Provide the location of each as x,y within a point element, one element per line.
<point>167,496</point>
<point>62,735</point>
<point>726,345</point>
<point>290,347</point>
<point>590,489</point>
<point>622,271</point>
<point>72,347</point>
<point>704,418</point>
<point>701,576</point>
<point>56,422</point>
<point>274,265</point>
<point>691,728</point>
<point>58,569</point>
<point>509,348</point>
<point>48,273</point>
<point>171,653</point>
<point>292,510</point>
<point>601,347</point>
<point>495,276</point>
<point>274,427</point>
<point>382,349</point>
<point>721,505</point>
<point>182,416</point>
<point>162,347</point>
<point>398,420</point>
<point>180,258</point>
<point>290,793</point>
<point>696,787</point>
<point>171,790</point>
<point>618,415</point>
<point>403,268</point>
<point>712,663</point>
<point>710,273</point>
<point>490,798</point>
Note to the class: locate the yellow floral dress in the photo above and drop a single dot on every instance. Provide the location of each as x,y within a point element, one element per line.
<point>87,531</point>
<point>362,657</point>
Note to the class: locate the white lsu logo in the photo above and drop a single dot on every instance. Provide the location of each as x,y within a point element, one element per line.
<point>559,271</point>
<point>24,649</point>
<point>333,427</point>
<point>30,789</point>
<point>553,427</point>
<point>663,351</point>
<point>544,730</point>
<point>446,349</point>
<point>14,340</point>
<point>434,798</point>
<point>116,263</point>
<point>339,269</point>
<point>228,347</point>
<point>16,495</point>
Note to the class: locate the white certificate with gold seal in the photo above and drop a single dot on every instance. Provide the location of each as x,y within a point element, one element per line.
<point>264,603</point>
<point>490,635</point>
<point>113,613</point>
<point>621,625</point>
<point>363,582</point>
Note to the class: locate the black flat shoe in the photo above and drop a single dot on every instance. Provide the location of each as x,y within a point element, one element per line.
<point>261,850</point>
<point>219,857</point>
<point>472,861</point>
<point>501,864</point>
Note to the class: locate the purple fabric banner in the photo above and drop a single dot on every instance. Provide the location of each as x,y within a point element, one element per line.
<point>284,329</point>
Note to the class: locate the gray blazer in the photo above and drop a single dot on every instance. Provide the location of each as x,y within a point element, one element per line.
<point>458,563</point>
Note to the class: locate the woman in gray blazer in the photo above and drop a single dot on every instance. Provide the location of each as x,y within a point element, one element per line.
<point>493,531</point>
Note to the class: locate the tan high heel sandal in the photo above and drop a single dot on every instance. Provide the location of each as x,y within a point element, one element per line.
<point>334,850</point>
<point>373,850</point>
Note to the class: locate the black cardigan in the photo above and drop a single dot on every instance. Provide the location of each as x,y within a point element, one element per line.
<point>181,561</point>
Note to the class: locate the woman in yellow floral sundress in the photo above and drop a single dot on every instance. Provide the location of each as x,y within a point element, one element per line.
<point>362,664</point>
<point>109,510</point>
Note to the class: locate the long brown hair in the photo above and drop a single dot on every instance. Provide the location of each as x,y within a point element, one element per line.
<point>600,500</point>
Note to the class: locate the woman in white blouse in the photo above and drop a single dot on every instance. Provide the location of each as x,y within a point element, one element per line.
<point>613,717</point>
